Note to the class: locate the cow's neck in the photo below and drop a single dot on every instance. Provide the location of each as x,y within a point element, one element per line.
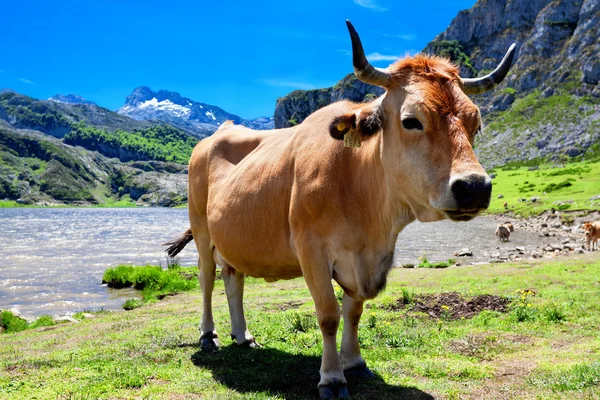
<point>388,213</point>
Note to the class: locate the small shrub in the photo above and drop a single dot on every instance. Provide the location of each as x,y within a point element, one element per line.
<point>407,297</point>
<point>44,320</point>
<point>522,310</point>
<point>556,186</point>
<point>554,313</point>
<point>301,322</point>
<point>564,206</point>
<point>12,323</point>
<point>372,321</point>
<point>131,304</point>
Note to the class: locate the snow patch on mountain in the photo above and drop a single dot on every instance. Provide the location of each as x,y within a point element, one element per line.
<point>197,118</point>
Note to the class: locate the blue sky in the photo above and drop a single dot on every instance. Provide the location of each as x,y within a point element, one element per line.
<point>239,55</point>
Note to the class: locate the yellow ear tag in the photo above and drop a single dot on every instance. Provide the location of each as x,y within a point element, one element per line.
<point>351,139</point>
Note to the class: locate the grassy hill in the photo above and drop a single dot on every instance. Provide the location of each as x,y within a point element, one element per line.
<point>57,153</point>
<point>538,186</point>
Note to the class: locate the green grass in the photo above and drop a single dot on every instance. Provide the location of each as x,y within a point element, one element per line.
<point>153,281</point>
<point>546,346</point>
<point>425,263</point>
<point>576,183</point>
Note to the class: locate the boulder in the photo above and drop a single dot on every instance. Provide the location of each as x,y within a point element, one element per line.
<point>464,252</point>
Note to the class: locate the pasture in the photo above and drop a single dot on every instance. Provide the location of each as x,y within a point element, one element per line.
<point>567,187</point>
<point>538,340</point>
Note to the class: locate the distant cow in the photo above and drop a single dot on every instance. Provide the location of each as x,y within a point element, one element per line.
<point>592,234</point>
<point>327,198</point>
<point>505,205</point>
<point>503,231</point>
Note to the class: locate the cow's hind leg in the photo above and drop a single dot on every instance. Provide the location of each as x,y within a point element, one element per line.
<point>234,288</point>
<point>353,363</point>
<point>207,270</point>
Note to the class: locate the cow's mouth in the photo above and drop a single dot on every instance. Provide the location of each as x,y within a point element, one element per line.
<point>461,215</point>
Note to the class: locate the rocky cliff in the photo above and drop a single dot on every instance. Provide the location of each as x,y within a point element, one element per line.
<point>549,103</point>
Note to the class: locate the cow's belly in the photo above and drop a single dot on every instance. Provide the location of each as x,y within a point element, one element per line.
<point>248,219</point>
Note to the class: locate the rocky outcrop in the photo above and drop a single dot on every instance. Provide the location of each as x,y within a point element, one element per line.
<point>549,105</point>
<point>296,106</point>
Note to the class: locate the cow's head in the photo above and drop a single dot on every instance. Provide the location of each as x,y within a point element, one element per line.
<point>427,125</point>
<point>588,228</point>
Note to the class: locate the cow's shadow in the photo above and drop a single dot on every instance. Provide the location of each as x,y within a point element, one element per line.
<point>291,376</point>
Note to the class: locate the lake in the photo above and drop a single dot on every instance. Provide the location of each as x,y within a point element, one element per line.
<point>52,259</point>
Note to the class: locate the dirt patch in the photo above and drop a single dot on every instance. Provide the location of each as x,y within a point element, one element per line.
<point>453,305</point>
<point>288,305</point>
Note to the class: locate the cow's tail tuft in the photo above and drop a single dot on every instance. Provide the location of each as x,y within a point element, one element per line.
<point>176,245</point>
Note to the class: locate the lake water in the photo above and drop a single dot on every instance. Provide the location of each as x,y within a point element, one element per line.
<point>52,260</point>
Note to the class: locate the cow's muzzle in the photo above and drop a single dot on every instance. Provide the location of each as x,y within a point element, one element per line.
<point>472,194</point>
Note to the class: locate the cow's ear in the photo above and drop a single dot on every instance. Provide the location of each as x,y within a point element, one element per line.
<point>341,125</point>
<point>366,122</point>
<point>369,122</point>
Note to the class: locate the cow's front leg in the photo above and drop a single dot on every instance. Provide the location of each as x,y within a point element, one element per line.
<point>318,279</point>
<point>352,361</point>
<point>234,288</point>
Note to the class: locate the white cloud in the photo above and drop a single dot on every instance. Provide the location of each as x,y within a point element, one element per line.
<point>381,57</point>
<point>370,4</point>
<point>26,81</point>
<point>288,83</point>
<point>408,36</point>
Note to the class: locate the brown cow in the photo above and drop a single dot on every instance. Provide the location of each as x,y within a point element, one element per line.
<point>503,231</point>
<point>326,199</point>
<point>592,234</point>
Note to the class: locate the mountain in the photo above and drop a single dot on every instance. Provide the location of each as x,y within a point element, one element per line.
<point>71,99</point>
<point>200,119</point>
<point>61,153</point>
<point>6,90</point>
<point>550,102</point>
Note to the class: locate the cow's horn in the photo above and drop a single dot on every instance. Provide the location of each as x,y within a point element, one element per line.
<point>362,69</point>
<point>491,80</point>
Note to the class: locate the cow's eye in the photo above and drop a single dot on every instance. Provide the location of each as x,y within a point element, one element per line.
<point>412,123</point>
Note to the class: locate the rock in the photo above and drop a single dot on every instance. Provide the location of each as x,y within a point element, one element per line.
<point>65,319</point>
<point>591,71</point>
<point>556,225</point>
<point>500,196</point>
<point>88,316</point>
<point>533,168</point>
<point>15,312</point>
<point>596,197</point>
<point>534,199</point>
<point>548,248</point>
<point>544,225</point>
<point>568,246</point>
<point>492,176</point>
<point>464,252</point>
<point>536,254</point>
<point>579,251</point>
<point>520,249</point>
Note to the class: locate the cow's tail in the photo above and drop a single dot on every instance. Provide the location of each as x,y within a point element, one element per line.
<point>177,244</point>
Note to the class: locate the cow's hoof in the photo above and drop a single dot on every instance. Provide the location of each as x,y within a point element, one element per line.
<point>333,390</point>
<point>358,372</point>
<point>249,343</point>
<point>209,341</point>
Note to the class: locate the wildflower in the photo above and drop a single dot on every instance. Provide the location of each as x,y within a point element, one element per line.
<point>445,307</point>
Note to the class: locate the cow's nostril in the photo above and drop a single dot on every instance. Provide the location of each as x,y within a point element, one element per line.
<point>472,192</point>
